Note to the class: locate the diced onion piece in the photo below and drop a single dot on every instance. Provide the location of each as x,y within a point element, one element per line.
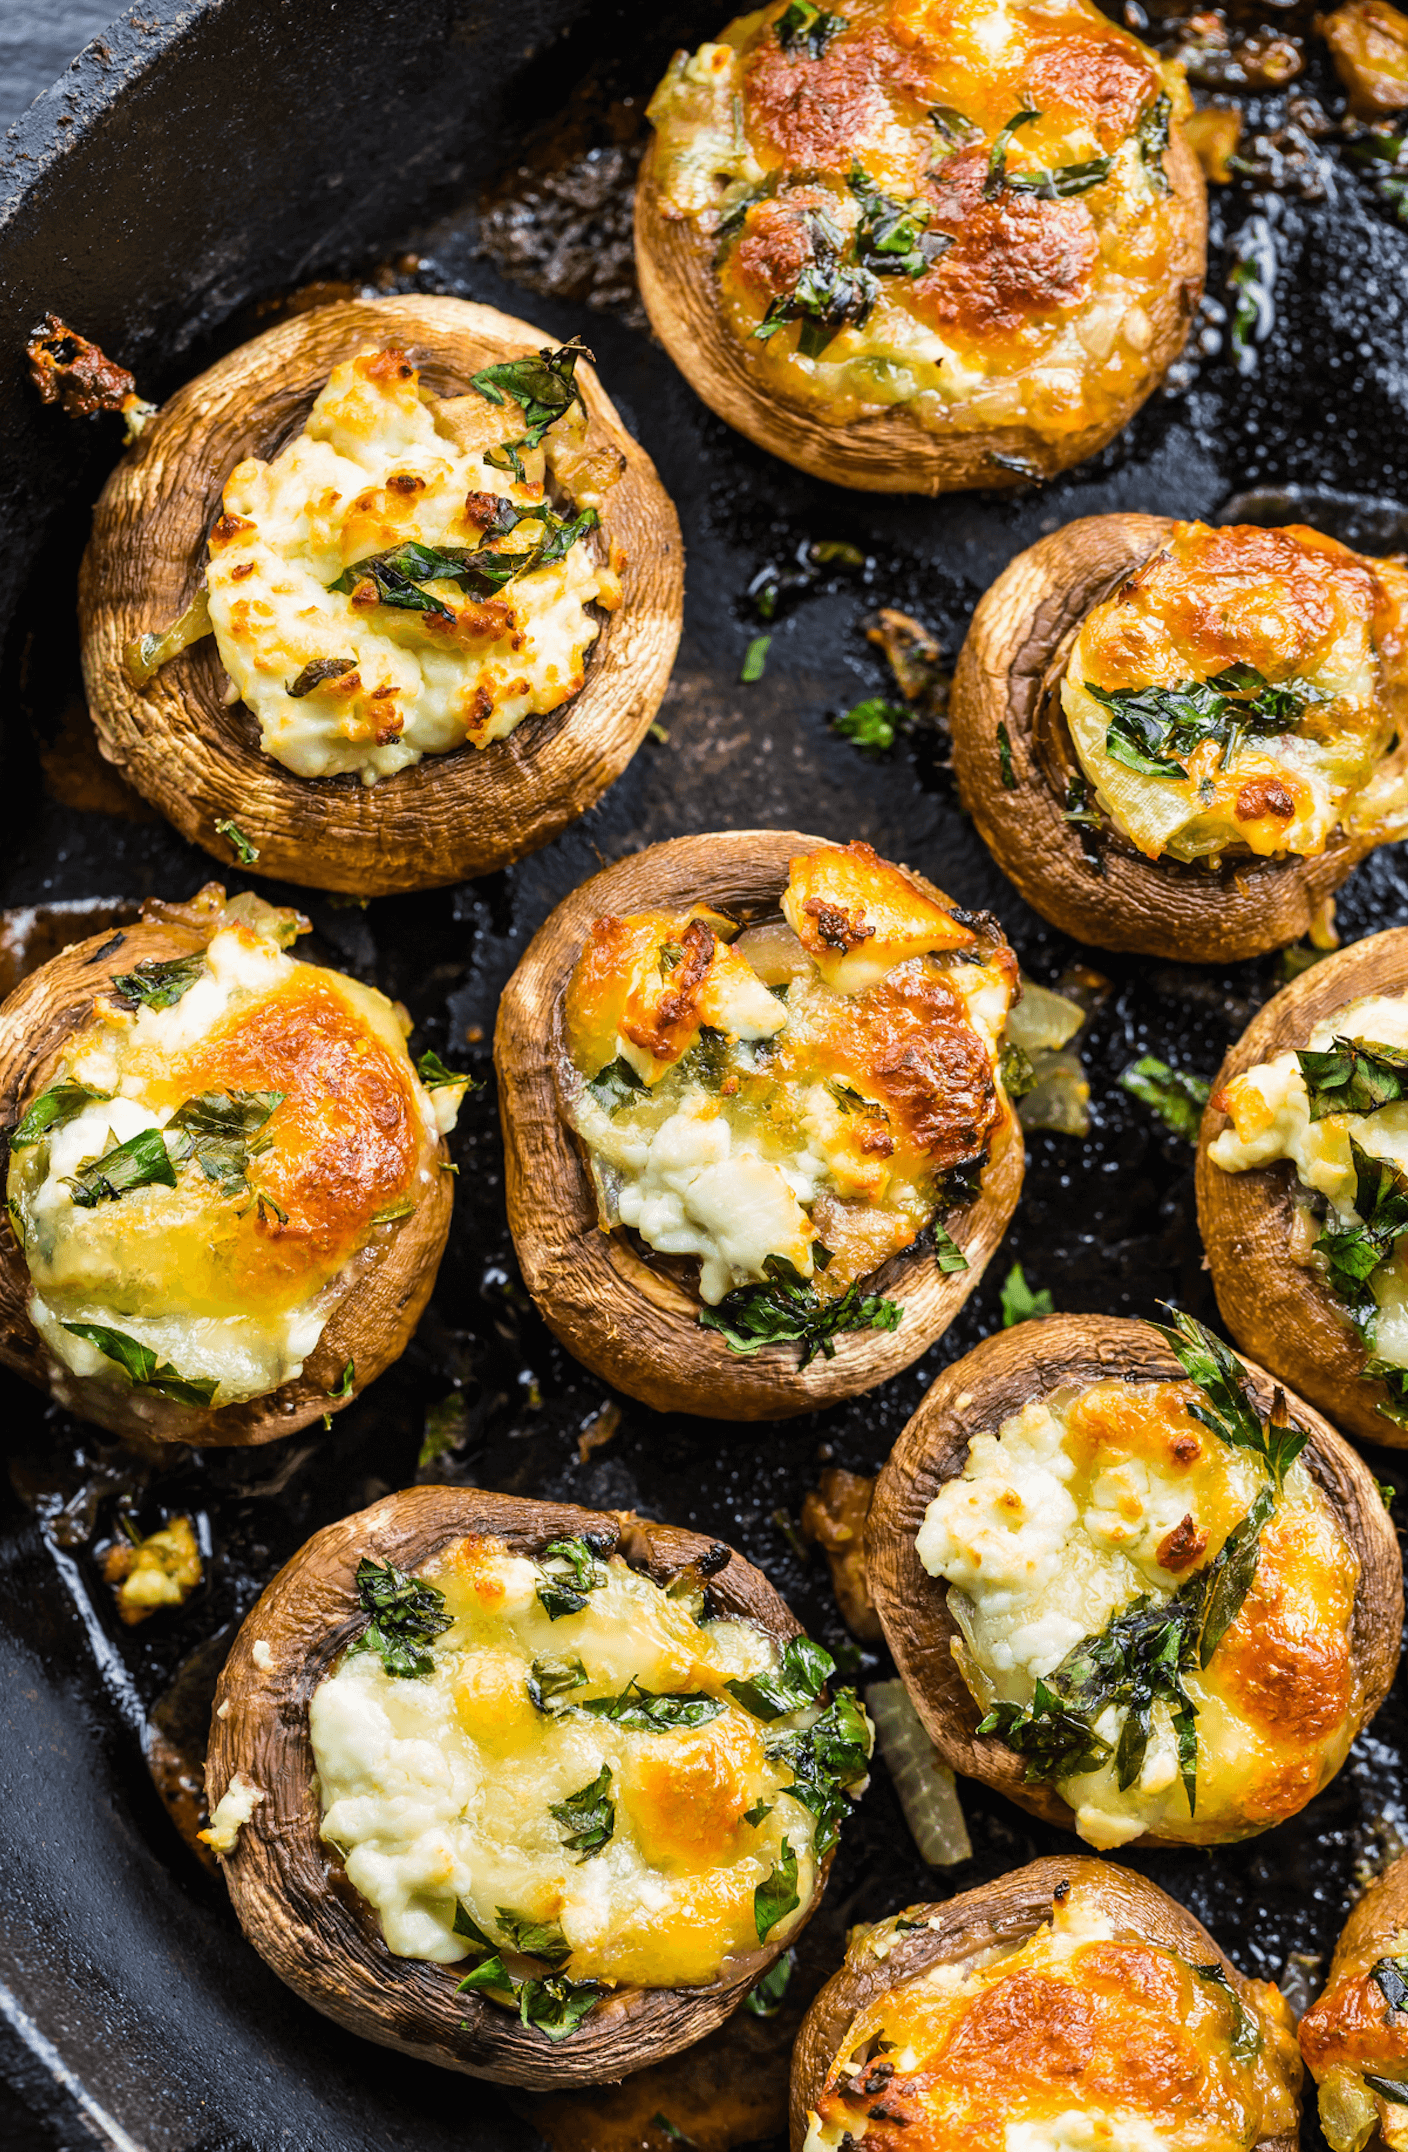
<point>145,654</point>
<point>1043,1019</point>
<point>1059,1100</point>
<point>1349,2112</point>
<point>925,1786</point>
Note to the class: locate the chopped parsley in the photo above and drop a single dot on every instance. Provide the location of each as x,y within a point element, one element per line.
<point>1176,1096</point>
<point>947,1253</point>
<point>892,237</point>
<point>244,848</point>
<point>403,1615</point>
<point>826,1758</point>
<point>435,1076</point>
<point>1353,1256</point>
<point>143,1161</point>
<point>218,1130</point>
<point>61,1103</point>
<point>873,724</point>
<point>776,1896</point>
<point>827,297</point>
<point>398,577</point>
<point>1151,139</point>
<point>551,1678</point>
<point>141,1366</point>
<point>640,1711</point>
<point>1229,1409</point>
<point>804,30</point>
<point>788,1310</point>
<point>1354,1076</point>
<point>588,1817</point>
<point>616,1085</point>
<point>159,985</point>
<point>343,1386</point>
<point>1151,729</point>
<point>754,660</point>
<point>1019,1302</point>
<point>798,1681</point>
<point>570,1571</point>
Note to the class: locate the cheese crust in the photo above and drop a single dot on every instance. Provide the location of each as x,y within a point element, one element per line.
<point>804,1085</point>
<point>989,303</point>
<point>221,1262</point>
<point>1354,2031</point>
<point>341,681</point>
<point>1312,618</point>
<point>1085,1504</point>
<point>439,1791</point>
<point>1077,2040</point>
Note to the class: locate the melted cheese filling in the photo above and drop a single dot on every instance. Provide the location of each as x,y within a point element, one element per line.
<point>785,1091</point>
<point>1074,2041</point>
<point>439,1790</point>
<point>1352,2030</point>
<point>1038,312</point>
<point>1270,1110</point>
<point>231,1287</point>
<point>375,468</point>
<point>1076,1508</point>
<point>1305,613</point>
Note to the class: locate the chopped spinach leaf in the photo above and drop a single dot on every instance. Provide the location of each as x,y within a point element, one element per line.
<point>1392,2089</point>
<point>545,387</point>
<point>765,2000</point>
<point>569,1573</point>
<point>403,1615</point>
<point>218,1130</point>
<point>316,672</point>
<point>1245,2044</point>
<point>616,1085</point>
<point>1390,1976</point>
<point>643,1712</point>
<point>804,30</point>
<point>873,724</point>
<point>1078,807</point>
<point>554,1677</point>
<point>466,1926</point>
<point>1230,1411</point>
<point>398,576</point>
<point>1354,1076</point>
<point>435,1076</point>
<point>953,130</point>
<point>244,848</point>
<point>490,1973</point>
<point>758,1813</point>
<point>141,1162</point>
<point>1151,138</point>
<point>798,1681</point>
<point>343,1386</point>
<point>1353,1256</point>
<point>534,1938</point>
<point>1066,179</point>
<point>892,237</point>
<point>588,1817</point>
<point>788,1311</point>
<point>141,1366</point>
<point>159,985</point>
<point>557,2006</point>
<point>776,1896</point>
<point>826,1758</point>
<point>827,296</point>
<point>61,1103</point>
<point>1057,1743</point>
<point>947,1253</point>
<point>1019,1302</point>
<point>1004,759</point>
<point>1177,1096</point>
<point>997,160</point>
<point>1151,729</point>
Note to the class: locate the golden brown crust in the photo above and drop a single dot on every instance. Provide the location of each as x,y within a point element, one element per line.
<point>1016,651</point>
<point>892,452</point>
<point>975,1396</point>
<point>1283,1313</point>
<point>625,1318</point>
<point>199,760</point>
<point>292,1900</point>
<point>381,1293</point>
<point>1008,1910</point>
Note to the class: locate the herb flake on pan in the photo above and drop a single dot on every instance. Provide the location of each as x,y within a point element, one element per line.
<point>997,159</point>
<point>765,2000</point>
<point>159,985</point>
<point>873,724</point>
<point>218,1130</point>
<point>804,30</point>
<point>754,660</point>
<point>244,848</point>
<point>643,1712</point>
<point>1019,1302</point>
<point>1015,1068</point>
<point>54,1108</point>
<point>143,1161</point>
<point>588,1817</point>
<point>776,1896</point>
<point>1152,729</point>
<point>403,1615</point>
<point>892,237</point>
<point>1176,1096</point>
<point>789,1311</point>
<point>570,1571</point>
<point>1245,2043</point>
<point>797,1681</point>
<point>827,297</point>
<point>1151,138</point>
<point>1353,1076</point>
<point>141,1366</point>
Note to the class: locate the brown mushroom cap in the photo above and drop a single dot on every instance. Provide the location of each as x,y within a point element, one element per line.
<point>379,1297</point>
<point>198,758</point>
<point>1008,1910</point>
<point>1282,1312</point>
<point>288,1887</point>
<point>630,1322</point>
<point>974,1397</point>
<point>890,451</point>
<point>1017,650</point>
<point>1374,1926</point>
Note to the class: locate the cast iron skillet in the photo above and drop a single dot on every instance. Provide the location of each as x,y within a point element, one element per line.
<point>217,155</point>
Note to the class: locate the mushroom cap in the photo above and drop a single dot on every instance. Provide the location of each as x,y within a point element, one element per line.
<point>1006,1911</point>
<point>628,1320</point>
<point>373,1308</point>
<point>1282,1312</point>
<point>975,1396</point>
<point>289,1889</point>
<point>198,758</point>
<point>1009,673</point>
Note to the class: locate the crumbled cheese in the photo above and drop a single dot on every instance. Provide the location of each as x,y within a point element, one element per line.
<point>260,1653</point>
<point>231,1813</point>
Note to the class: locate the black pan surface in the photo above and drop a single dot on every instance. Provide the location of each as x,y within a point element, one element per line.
<point>218,156</point>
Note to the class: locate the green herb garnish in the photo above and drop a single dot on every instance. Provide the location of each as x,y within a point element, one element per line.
<point>1004,759</point>
<point>1177,1097</point>
<point>545,387</point>
<point>642,1712</point>
<point>588,1817</point>
<point>776,1896</point>
<point>316,672</point>
<point>1054,185</point>
<point>446,1426</point>
<point>61,1103</point>
<point>569,1572</point>
<point>873,724</point>
<point>1245,2044</point>
<point>141,1162</point>
<point>556,2007</point>
<point>1151,138</point>
<point>343,1386</point>
<point>805,30</point>
<point>159,986</point>
<point>826,1757</point>
<point>758,1813</point>
<point>399,576</point>
<point>1230,1411</point>
<point>754,659</point>
<point>1019,1302</point>
<point>827,297</point>
<point>435,1075</point>
<point>798,1681</point>
<point>788,1311</point>
<point>1392,2089</point>
<point>947,1253</point>
<point>550,1678</point>
<point>892,237</point>
<point>218,1130</point>
<point>244,848</point>
<point>403,1614</point>
<point>765,2000</point>
<point>1015,1068</point>
<point>534,1938</point>
<point>997,160</point>
<point>616,1085</point>
<point>1151,729</point>
<point>1354,1076</point>
<point>1390,1976</point>
<point>141,1366</point>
